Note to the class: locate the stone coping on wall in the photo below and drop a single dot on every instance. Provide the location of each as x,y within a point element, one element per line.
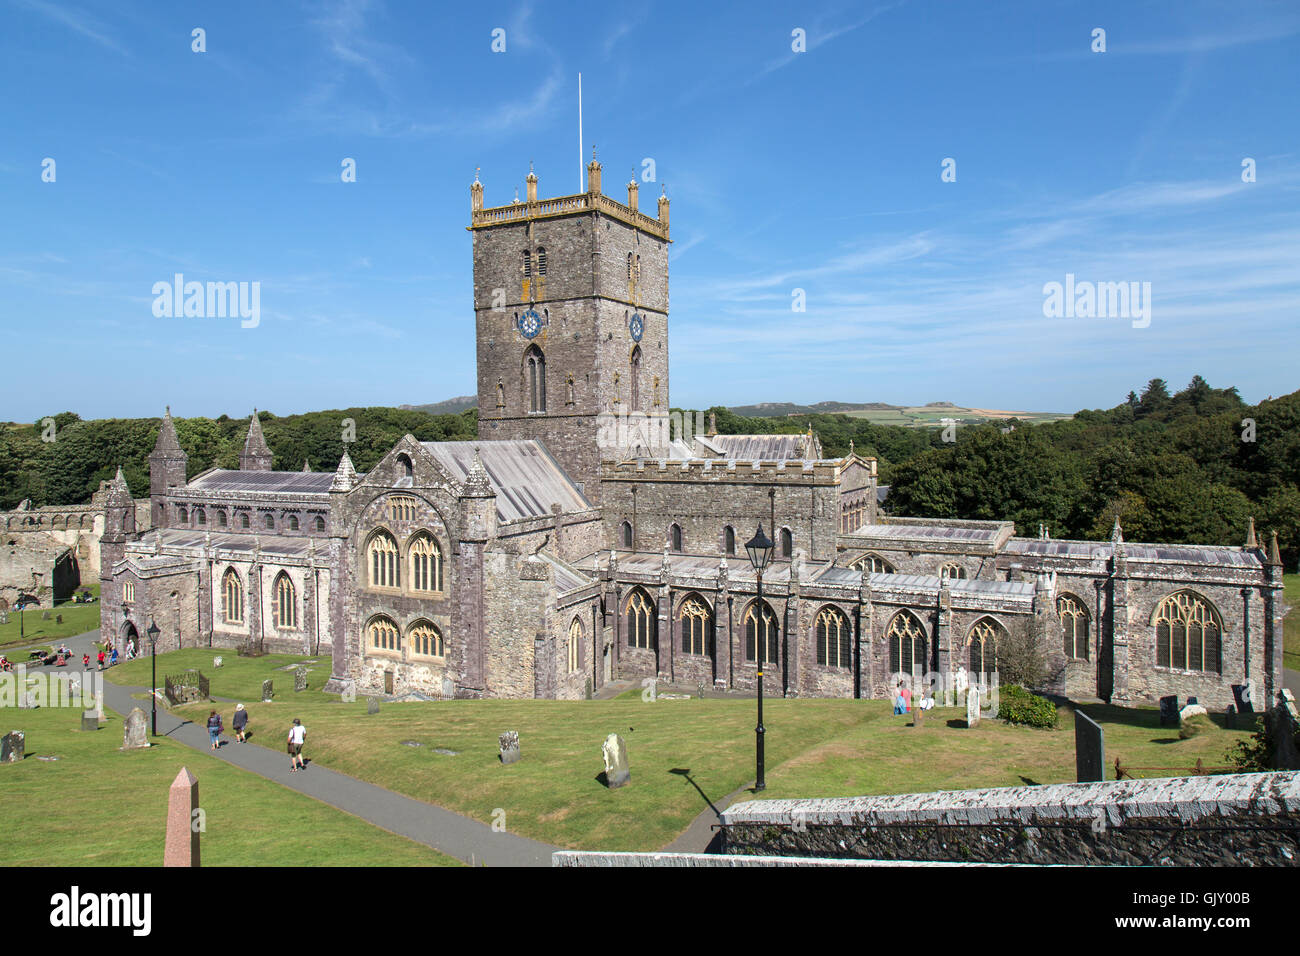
<point>575,858</point>
<point>1185,800</point>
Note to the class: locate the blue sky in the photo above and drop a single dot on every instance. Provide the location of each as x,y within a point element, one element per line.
<point>817,170</point>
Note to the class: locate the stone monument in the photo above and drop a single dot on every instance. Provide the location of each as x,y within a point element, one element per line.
<point>217,662</point>
<point>89,720</point>
<point>299,679</point>
<point>972,705</point>
<point>268,690</point>
<point>372,705</point>
<point>616,770</point>
<point>509,742</point>
<point>12,746</point>
<point>1169,711</point>
<point>134,730</point>
<point>182,847</point>
<point>1089,749</point>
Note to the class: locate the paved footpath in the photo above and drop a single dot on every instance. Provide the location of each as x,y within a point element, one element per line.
<point>450,833</point>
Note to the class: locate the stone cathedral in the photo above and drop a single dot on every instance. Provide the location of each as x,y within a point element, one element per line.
<point>544,560</point>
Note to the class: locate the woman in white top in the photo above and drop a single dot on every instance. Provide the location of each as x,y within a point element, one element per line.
<point>297,736</point>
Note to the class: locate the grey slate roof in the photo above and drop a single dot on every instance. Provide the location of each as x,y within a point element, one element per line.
<point>938,532</point>
<point>526,479</point>
<point>281,482</point>
<point>760,447</point>
<point>1182,553</point>
<point>185,538</point>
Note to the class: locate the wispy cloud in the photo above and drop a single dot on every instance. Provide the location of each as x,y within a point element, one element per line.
<point>78,20</point>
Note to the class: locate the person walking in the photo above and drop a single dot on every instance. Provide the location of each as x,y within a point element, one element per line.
<point>214,729</point>
<point>85,661</point>
<point>112,661</point>
<point>297,737</point>
<point>240,722</point>
<point>907,696</point>
<point>101,658</point>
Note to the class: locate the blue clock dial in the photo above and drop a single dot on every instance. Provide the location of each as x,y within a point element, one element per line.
<point>530,323</point>
<point>636,325</point>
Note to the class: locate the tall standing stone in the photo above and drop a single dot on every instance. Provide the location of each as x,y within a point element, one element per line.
<point>300,679</point>
<point>182,847</point>
<point>614,751</point>
<point>972,705</point>
<point>1089,749</point>
<point>89,720</point>
<point>134,730</point>
<point>268,690</point>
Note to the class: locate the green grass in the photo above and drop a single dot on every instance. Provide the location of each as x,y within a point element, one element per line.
<point>239,678</point>
<point>1291,623</point>
<point>77,619</point>
<point>815,748</point>
<point>100,806</point>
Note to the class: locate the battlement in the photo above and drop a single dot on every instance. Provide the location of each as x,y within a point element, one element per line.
<point>566,206</point>
<point>823,471</point>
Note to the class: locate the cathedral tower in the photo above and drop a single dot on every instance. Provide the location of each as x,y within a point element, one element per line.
<point>571,310</point>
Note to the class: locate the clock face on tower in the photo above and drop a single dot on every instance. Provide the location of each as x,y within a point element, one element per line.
<point>530,323</point>
<point>636,325</point>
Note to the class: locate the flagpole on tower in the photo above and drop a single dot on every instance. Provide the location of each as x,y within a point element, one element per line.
<point>579,132</point>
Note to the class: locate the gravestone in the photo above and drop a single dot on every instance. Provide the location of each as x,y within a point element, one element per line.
<point>972,705</point>
<point>700,687</point>
<point>300,679</point>
<point>448,687</point>
<point>372,705</point>
<point>134,730</point>
<point>1243,696</point>
<point>616,770</point>
<point>217,661</point>
<point>268,690</point>
<point>89,720</point>
<point>1192,709</point>
<point>58,619</point>
<point>24,700</point>
<point>1230,717</point>
<point>1169,711</point>
<point>918,716</point>
<point>509,742</point>
<point>1089,749</point>
<point>12,746</point>
<point>1280,727</point>
<point>4,617</point>
<point>182,846</point>
<point>45,615</point>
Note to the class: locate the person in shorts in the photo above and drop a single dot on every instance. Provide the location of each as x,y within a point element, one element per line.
<point>297,736</point>
<point>214,729</point>
<point>240,722</point>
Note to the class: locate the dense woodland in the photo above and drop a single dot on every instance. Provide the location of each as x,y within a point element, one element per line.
<point>1176,467</point>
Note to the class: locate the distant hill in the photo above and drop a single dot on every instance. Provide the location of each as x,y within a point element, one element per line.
<point>882,413</point>
<point>452,406</point>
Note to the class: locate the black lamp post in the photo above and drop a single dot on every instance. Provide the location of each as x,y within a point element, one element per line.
<point>153,633</point>
<point>760,554</point>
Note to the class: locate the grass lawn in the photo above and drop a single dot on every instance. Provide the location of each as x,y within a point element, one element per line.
<point>100,806</point>
<point>814,748</point>
<point>239,678</point>
<point>77,619</point>
<point>1291,623</point>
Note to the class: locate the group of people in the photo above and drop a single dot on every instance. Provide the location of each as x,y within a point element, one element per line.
<point>903,700</point>
<point>296,738</point>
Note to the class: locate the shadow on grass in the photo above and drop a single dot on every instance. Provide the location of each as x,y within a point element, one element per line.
<point>685,772</point>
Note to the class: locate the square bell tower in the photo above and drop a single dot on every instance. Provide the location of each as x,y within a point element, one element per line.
<point>571,319</point>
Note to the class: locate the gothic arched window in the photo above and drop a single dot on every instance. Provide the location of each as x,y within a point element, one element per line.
<point>221,519</point>
<point>873,563</point>
<point>834,644</point>
<point>641,621</point>
<point>233,592</point>
<point>627,535</point>
<point>243,520</point>
<point>983,649</point>
<point>528,263</point>
<point>634,371</point>
<point>1188,629</point>
<point>675,537</point>
<point>426,564</point>
<point>426,640</point>
<point>293,522</point>
<point>381,558</point>
<point>728,540</point>
<point>575,644</point>
<point>952,571</point>
<point>286,602</point>
<point>319,524</point>
<point>269,521</point>
<point>535,378</point>
<point>908,647</point>
<point>382,635</point>
<point>541,260</point>
<point>787,543</point>
<point>761,632</point>
<point>1074,627</point>
<point>697,626</point>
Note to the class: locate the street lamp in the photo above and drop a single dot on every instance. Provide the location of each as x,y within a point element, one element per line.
<point>760,555</point>
<point>153,633</point>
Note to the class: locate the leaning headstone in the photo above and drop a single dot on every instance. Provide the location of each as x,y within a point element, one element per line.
<point>182,847</point>
<point>89,720</point>
<point>12,746</point>
<point>1169,711</point>
<point>133,730</point>
<point>1230,717</point>
<point>372,705</point>
<point>972,705</point>
<point>1089,749</point>
<point>616,770</point>
<point>268,690</point>
<point>1243,696</point>
<point>300,679</point>
<point>509,742</point>
<point>217,661</point>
